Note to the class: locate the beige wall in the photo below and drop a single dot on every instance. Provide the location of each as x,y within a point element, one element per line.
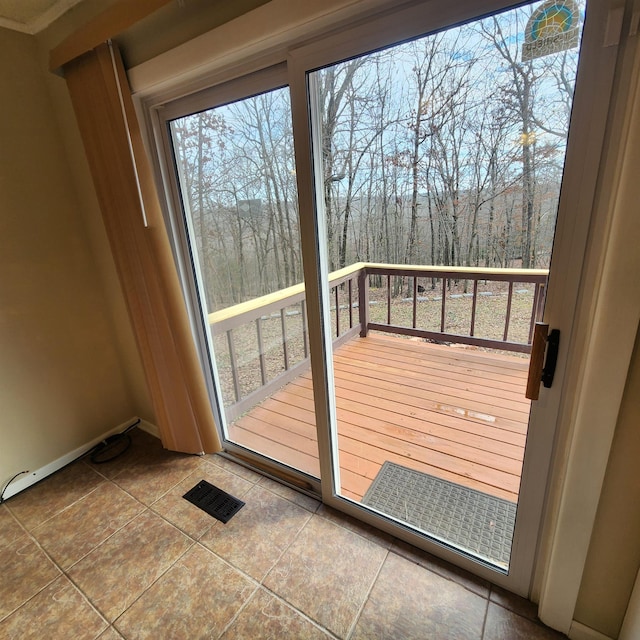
<point>62,379</point>
<point>614,552</point>
<point>116,311</point>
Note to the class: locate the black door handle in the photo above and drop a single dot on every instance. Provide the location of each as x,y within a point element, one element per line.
<point>553,343</point>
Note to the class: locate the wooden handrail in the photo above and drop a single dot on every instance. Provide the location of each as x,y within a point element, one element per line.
<point>246,311</point>
<point>337,277</point>
<point>461,273</point>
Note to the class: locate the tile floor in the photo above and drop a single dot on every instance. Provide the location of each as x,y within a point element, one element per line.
<point>113,551</point>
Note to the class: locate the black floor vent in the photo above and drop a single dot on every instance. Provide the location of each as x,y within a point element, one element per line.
<point>214,501</point>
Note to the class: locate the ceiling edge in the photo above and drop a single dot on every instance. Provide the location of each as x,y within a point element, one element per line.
<point>40,23</point>
<point>16,26</point>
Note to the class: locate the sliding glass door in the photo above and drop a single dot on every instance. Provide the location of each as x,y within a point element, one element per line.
<point>237,186</point>
<point>441,162</point>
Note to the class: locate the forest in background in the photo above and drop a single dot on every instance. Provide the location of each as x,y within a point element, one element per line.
<point>447,150</point>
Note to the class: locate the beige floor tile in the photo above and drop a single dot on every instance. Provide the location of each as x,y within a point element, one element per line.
<point>154,473</point>
<point>301,499</point>
<point>186,516</point>
<point>114,574</point>
<point>233,467</point>
<point>76,531</point>
<point>442,568</point>
<point>361,528</point>
<point>409,603</point>
<point>60,490</point>
<point>25,571</point>
<point>196,598</point>
<point>10,530</point>
<point>269,618</point>
<point>503,624</point>
<point>58,612</point>
<point>256,536</point>
<point>327,573</point>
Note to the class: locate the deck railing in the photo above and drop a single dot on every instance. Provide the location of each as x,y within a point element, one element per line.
<point>350,290</point>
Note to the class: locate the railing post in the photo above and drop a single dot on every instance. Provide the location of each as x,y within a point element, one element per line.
<point>363,302</point>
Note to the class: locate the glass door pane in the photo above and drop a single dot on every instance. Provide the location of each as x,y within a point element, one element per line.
<point>442,161</point>
<point>237,181</point>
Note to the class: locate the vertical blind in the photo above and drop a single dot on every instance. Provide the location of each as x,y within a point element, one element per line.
<point>138,238</point>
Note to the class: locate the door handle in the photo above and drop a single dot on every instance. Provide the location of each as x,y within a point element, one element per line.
<point>539,369</point>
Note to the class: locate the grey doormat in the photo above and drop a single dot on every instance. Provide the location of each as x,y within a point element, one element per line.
<point>468,519</point>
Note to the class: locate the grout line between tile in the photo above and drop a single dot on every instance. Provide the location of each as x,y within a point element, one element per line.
<point>304,615</point>
<point>356,618</point>
<point>64,570</point>
<point>149,586</point>
<point>442,574</point>
<point>486,614</point>
<point>57,512</point>
<point>293,539</point>
<point>239,611</point>
<point>31,597</point>
<point>49,558</point>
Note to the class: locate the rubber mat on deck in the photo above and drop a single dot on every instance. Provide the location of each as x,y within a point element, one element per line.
<point>473,521</point>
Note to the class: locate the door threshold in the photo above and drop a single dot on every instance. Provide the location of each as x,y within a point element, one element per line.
<point>274,471</point>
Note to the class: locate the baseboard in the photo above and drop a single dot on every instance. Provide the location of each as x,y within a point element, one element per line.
<point>24,482</point>
<point>149,427</point>
<point>579,631</point>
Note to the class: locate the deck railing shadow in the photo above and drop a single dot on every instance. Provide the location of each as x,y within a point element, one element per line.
<point>351,314</point>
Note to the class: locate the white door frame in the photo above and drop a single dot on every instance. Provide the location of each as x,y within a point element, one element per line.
<point>224,53</point>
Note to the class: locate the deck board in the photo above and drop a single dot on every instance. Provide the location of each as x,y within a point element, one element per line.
<point>456,413</point>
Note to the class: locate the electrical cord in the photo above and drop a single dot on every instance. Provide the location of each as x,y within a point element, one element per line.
<point>6,486</point>
<point>113,446</point>
<point>106,450</point>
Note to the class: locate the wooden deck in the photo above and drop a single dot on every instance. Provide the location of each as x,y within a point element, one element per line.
<point>453,412</point>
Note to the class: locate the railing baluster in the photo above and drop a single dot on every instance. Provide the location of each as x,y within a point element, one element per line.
<point>540,305</point>
<point>337,313</point>
<point>473,307</point>
<point>415,301</point>
<point>388,299</point>
<point>305,335</point>
<point>234,365</point>
<point>444,302</point>
<point>285,348</point>
<point>508,316</point>
<point>363,302</point>
<point>263,372</point>
<point>350,287</point>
